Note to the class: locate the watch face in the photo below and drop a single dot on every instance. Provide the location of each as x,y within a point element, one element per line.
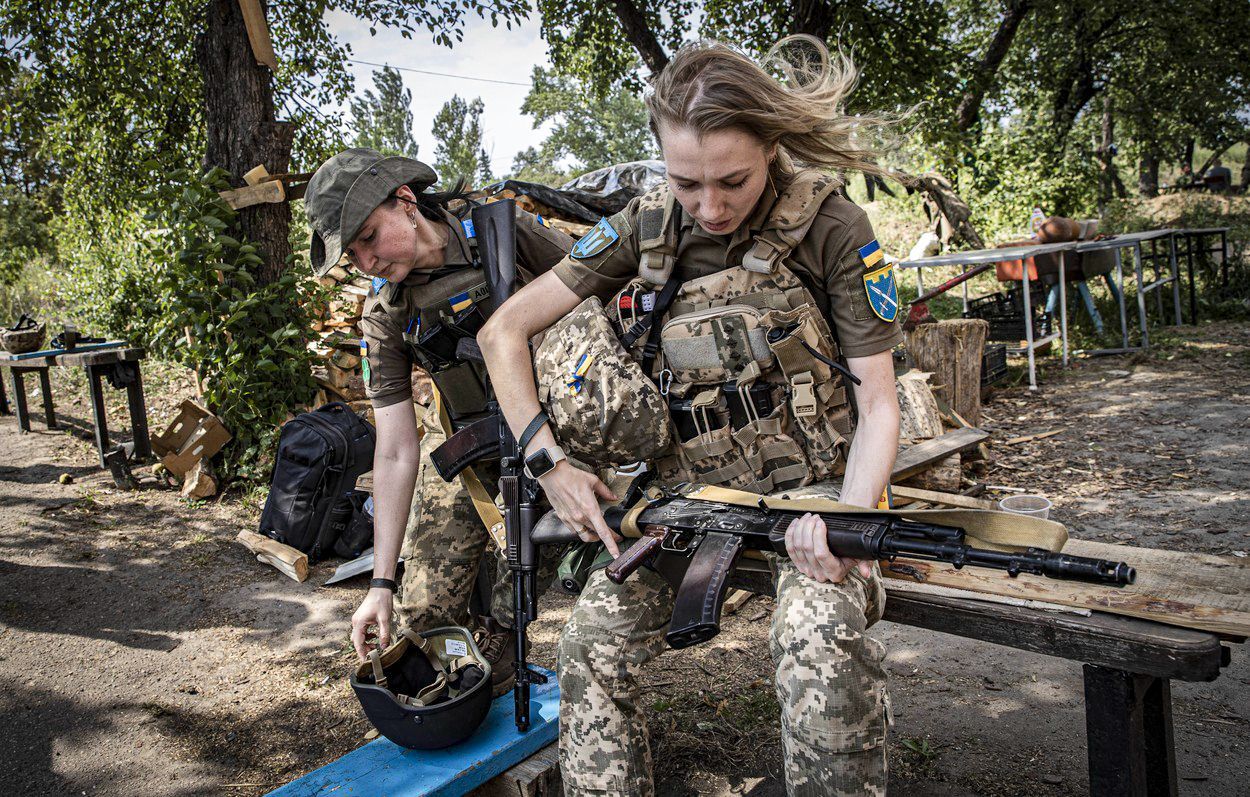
<point>539,463</point>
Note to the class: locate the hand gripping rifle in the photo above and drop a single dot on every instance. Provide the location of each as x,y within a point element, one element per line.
<point>694,543</point>
<point>490,437</point>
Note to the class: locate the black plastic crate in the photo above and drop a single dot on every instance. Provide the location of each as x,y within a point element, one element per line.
<point>993,363</point>
<point>1005,313</point>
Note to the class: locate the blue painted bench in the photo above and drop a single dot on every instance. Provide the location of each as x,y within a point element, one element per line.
<point>382,767</point>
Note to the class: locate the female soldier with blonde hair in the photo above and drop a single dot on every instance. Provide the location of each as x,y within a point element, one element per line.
<point>776,264</point>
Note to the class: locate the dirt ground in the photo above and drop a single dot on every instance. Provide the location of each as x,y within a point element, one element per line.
<point>142,651</point>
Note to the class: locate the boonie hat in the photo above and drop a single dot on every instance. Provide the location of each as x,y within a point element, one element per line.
<point>346,189</point>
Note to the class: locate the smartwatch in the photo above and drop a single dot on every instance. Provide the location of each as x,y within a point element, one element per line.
<point>542,461</point>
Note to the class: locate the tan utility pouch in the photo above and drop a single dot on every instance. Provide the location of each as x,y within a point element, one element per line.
<point>714,345</point>
<point>603,410</point>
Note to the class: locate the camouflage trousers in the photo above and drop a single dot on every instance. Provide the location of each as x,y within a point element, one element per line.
<point>830,681</point>
<point>443,547</point>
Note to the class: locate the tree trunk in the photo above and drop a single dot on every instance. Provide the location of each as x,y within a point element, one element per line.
<point>813,17</point>
<point>1245,171</point>
<point>970,104</point>
<point>1148,174</point>
<point>951,350</point>
<point>640,35</point>
<point>1106,155</point>
<point>1187,156</point>
<point>241,129</point>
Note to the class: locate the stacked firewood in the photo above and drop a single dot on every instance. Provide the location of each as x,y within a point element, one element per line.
<point>337,344</point>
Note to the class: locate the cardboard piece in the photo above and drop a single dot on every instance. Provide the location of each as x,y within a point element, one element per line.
<point>195,434</point>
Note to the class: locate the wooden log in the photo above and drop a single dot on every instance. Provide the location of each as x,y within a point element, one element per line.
<point>536,776</point>
<point>339,273</point>
<point>942,476</point>
<point>921,456</point>
<point>944,499</point>
<point>270,192</point>
<point>919,418</point>
<point>951,350</point>
<point>736,600</point>
<point>290,562</point>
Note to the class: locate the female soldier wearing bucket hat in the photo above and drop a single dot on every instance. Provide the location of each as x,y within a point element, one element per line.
<point>377,212</point>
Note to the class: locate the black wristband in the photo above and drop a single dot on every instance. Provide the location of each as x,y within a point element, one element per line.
<point>532,429</point>
<point>384,583</point>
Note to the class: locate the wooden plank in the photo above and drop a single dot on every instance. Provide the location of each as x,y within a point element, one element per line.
<point>270,191</point>
<point>258,33</point>
<point>536,776</point>
<point>915,459</point>
<point>289,561</point>
<point>736,600</point>
<point>944,499</point>
<point>1100,639</point>
<point>1199,591</point>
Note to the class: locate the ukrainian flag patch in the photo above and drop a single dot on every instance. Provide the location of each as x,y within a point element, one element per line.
<point>460,301</point>
<point>595,242</point>
<point>879,282</point>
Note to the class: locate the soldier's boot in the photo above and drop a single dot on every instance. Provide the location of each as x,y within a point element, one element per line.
<point>498,644</point>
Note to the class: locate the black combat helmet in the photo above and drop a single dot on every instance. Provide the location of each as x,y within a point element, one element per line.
<point>428,690</point>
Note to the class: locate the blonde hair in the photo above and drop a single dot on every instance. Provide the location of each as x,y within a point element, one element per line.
<point>709,86</point>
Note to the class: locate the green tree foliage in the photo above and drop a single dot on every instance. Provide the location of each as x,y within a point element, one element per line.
<point>534,166</point>
<point>458,151</point>
<point>593,131</point>
<point>114,96</point>
<point>383,121</point>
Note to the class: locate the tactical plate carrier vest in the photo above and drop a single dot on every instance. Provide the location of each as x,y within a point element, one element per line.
<point>744,353</point>
<point>435,317</point>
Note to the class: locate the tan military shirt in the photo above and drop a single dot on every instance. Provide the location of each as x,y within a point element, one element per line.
<point>382,324</point>
<point>827,261</point>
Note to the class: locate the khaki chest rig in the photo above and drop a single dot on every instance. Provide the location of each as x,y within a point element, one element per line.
<point>434,318</point>
<point>746,360</point>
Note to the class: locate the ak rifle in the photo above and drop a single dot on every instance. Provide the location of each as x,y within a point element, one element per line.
<point>694,543</point>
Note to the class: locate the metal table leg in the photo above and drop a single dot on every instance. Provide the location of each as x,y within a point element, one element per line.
<point>129,373</point>
<point>1141,296</point>
<point>1119,275</point>
<point>1189,268</point>
<point>1128,723</point>
<point>1063,306</point>
<point>45,385</point>
<point>1028,322</point>
<point>95,373</point>
<point>1176,280</point>
<point>19,400</point>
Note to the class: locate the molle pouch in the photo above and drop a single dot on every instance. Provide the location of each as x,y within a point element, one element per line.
<point>817,394</point>
<point>698,416</point>
<point>463,389</point>
<point>629,307</point>
<point>715,345</point>
<point>439,343</point>
<point>749,403</point>
<point>767,444</point>
<point>602,409</point>
<point>711,456</point>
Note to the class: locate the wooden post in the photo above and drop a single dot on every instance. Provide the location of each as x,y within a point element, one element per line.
<point>951,350</point>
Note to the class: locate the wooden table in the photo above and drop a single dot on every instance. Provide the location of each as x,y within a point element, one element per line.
<point>119,365</point>
<point>1128,667</point>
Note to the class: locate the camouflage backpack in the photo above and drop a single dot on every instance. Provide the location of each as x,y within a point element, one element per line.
<point>747,363</point>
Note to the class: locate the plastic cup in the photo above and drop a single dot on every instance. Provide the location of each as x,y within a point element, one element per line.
<point>1034,505</point>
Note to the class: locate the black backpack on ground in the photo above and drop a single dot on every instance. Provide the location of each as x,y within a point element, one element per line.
<point>320,455</point>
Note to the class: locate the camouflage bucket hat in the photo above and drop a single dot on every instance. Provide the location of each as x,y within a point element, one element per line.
<point>346,189</point>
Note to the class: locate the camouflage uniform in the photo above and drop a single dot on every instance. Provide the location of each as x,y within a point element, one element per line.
<point>829,680</point>
<point>444,539</point>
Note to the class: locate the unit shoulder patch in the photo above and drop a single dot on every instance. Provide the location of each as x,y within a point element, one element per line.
<point>879,282</point>
<point>602,236</point>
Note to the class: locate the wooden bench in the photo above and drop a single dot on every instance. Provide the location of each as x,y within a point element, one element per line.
<point>119,365</point>
<point>1128,665</point>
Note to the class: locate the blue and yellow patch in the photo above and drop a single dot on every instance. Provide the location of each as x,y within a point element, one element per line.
<point>595,242</point>
<point>364,359</point>
<point>879,282</point>
<point>460,301</point>
<point>378,284</point>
